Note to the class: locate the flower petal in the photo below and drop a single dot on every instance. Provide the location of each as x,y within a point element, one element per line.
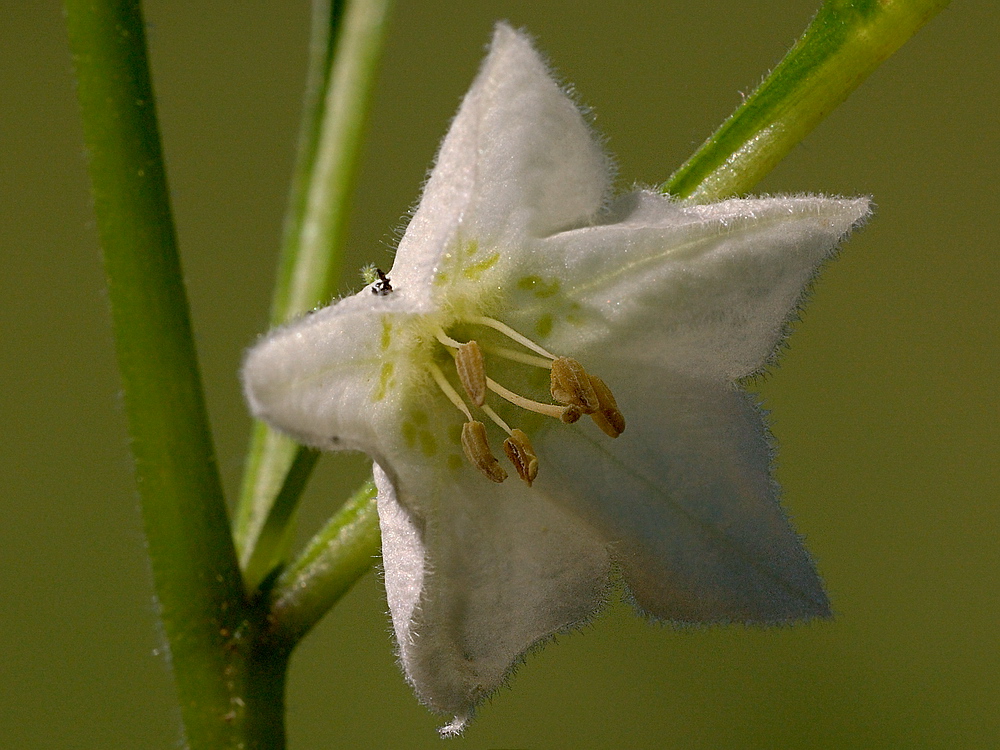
<point>475,575</point>
<point>327,379</point>
<point>703,289</point>
<point>686,500</point>
<point>518,160</point>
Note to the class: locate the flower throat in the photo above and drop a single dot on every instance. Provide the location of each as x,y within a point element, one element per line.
<point>576,392</point>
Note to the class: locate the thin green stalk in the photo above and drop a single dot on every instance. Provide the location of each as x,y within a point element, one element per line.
<point>845,42</point>
<point>336,557</point>
<point>279,523</point>
<point>350,40</point>
<point>198,583</point>
<point>271,455</point>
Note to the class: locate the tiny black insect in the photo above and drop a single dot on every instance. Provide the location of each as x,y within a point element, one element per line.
<point>381,287</point>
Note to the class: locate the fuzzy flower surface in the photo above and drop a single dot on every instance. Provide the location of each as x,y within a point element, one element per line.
<point>547,381</point>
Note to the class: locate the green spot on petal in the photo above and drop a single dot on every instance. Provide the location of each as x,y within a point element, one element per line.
<point>538,286</point>
<point>428,445</point>
<point>384,378</point>
<point>474,271</point>
<point>386,334</point>
<point>544,325</point>
<point>454,461</point>
<point>409,434</point>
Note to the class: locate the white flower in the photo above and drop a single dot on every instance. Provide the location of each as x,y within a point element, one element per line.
<point>517,246</point>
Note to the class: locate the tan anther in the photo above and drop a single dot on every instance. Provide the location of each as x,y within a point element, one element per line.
<point>522,455</point>
<point>477,450</point>
<point>571,414</point>
<point>471,369</point>
<point>570,384</point>
<point>607,417</point>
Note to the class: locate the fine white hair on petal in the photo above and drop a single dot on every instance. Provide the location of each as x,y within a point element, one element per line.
<point>699,289</point>
<point>518,161</point>
<point>476,574</point>
<point>403,549</point>
<point>456,726</point>
<point>687,503</point>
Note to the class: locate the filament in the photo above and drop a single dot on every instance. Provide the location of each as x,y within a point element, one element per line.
<point>450,392</point>
<point>549,410</point>
<point>510,333</point>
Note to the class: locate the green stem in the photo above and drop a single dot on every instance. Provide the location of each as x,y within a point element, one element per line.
<point>336,557</point>
<point>279,523</point>
<point>197,579</point>
<point>336,109</point>
<point>845,42</point>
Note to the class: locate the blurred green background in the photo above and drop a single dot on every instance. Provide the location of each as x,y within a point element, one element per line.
<point>885,405</point>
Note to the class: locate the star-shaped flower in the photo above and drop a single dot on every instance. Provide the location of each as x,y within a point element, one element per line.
<point>523,299</point>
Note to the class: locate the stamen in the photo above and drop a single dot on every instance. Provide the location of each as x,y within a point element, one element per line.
<point>571,414</point>
<point>510,333</point>
<point>522,455</point>
<point>450,392</point>
<point>549,410</point>
<point>477,450</point>
<point>577,392</point>
<point>570,384</point>
<point>447,340</point>
<point>607,416</point>
<point>516,356</point>
<point>496,419</point>
<point>471,370</point>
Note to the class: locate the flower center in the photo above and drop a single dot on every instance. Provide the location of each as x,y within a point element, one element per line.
<point>575,391</point>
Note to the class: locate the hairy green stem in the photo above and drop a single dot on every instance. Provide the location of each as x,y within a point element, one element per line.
<point>197,579</point>
<point>341,80</point>
<point>335,558</point>
<point>845,42</point>
<point>278,527</point>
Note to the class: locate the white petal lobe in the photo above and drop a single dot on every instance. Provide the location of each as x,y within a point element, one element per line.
<point>687,503</point>
<point>701,289</point>
<point>476,574</point>
<point>519,161</point>
<point>326,379</point>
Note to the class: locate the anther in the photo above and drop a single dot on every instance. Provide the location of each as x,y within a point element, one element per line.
<point>570,384</point>
<point>522,455</point>
<point>570,414</point>
<point>607,416</point>
<point>477,450</point>
<point>471,369</point>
